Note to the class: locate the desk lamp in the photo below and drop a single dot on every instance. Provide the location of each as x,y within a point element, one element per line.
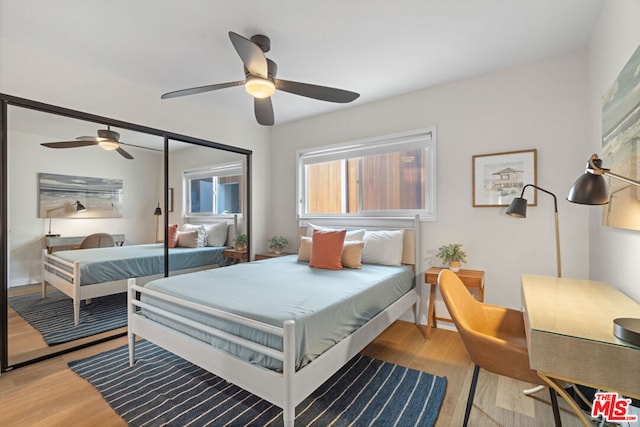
<point>518,209</point>
<point>591,189</point>
<point>79,208</point>
<point>157,213</point>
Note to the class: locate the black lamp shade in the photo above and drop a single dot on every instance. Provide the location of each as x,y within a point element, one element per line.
<point>158,210</point>
<point>589,189</point>
<point>80,207</point>
<point>517,208</point>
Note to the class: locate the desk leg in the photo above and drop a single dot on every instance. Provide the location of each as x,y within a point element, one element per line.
<point>562,392</point>
<point>431,315</point>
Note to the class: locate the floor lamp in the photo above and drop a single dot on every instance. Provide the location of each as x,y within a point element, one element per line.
<point>157,212</point>
<point>518,209</point>
<point>591,189</point>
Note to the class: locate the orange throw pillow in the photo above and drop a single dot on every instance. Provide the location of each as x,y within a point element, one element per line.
<point>173,235</point>
<point>326,250</point>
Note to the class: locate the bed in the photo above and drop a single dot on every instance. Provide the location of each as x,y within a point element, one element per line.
<point>90,273</point>
<point>276,350</point>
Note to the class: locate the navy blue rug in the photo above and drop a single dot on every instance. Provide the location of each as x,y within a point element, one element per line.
<point>162,389</point>
<point>53,315</point>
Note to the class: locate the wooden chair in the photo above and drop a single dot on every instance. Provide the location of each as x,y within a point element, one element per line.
<point>97,240</point>
<point>493,336</point>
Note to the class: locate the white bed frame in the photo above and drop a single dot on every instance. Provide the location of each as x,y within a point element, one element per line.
<point>71,287</point>
<point>285,389</point>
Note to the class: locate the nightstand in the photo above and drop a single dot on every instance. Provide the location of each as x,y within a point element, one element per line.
<point>236,255</point>
<point>268,255</point>
<point>472,279</point>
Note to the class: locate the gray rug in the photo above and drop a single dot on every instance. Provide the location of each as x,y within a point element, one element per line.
<point>163,389</point>
<point>53,316</point>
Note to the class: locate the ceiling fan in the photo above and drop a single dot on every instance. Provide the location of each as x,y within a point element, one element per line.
<point>107,139</point>
<point>260,80</point>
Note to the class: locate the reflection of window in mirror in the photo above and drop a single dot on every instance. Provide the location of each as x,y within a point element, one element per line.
<point>215,190</point>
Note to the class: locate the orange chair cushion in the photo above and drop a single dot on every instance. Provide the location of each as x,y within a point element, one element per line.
<point>493,336</point>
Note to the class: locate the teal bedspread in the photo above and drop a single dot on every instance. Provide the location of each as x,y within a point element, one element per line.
<point>101,265</point>
<point>327,305</point>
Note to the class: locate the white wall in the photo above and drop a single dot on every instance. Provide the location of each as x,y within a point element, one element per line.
<point>541,105</point>
<point>614,252</point>
<point>35,74</point>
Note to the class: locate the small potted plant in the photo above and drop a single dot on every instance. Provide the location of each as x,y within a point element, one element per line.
<point>241,241</point>
<point>277,244</point>
<point>452,255</point>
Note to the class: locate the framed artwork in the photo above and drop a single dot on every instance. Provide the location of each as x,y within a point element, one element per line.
<point>58,194</point>
<point>620,148</point>
<point>170,199</point>
<point>499,177</point>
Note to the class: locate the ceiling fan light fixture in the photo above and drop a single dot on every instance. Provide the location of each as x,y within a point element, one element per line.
<point>108,145</point>
<point>259,87</point>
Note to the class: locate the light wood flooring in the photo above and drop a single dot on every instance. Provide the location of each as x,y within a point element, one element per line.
<point>26,343</point>
<point>49,394</point>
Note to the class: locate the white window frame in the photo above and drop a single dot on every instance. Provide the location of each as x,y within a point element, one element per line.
<point>214,171</point>
<point>418,138</point>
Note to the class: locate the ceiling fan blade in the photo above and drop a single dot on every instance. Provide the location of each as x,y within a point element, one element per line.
<point>251,55</point>
<point>323,93</point>
<point>199,89</point>
<point>264,111</point>
<point>69,144</point>
<point>124,153</point>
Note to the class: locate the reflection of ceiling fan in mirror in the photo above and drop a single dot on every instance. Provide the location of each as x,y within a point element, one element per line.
<point>106,139</point>
<point>260,80</point>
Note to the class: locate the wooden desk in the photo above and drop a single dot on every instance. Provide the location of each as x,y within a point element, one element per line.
<point>236,255</point>
<point>569,327</point>
<point>58,243</point>
<point>472,279</point>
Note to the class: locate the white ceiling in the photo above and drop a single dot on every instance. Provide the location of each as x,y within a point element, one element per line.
<point>379,48</point>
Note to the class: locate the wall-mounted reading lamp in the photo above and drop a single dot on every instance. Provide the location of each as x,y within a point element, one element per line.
<point>518,209</point>
<point>591,189</point>
<point>79,208</point>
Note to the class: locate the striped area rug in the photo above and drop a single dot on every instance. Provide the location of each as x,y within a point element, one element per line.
<point>162,389</point>
<point>53,315</point>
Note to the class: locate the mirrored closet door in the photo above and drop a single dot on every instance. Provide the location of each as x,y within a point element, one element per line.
<point>71,181</point>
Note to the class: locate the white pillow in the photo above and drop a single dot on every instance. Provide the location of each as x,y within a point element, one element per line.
<point>216,234</point>
<point>352,235</point>
<point>383,247</point>
<point>187,239</point>
<point>202,233</point>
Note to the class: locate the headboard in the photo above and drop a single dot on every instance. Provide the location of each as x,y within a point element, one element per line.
<point>411,227</point>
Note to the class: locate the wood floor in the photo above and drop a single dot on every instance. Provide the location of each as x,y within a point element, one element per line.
<point>26,343</point>
<point>49,394</point>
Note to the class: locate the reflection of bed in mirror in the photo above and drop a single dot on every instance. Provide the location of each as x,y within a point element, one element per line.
<point>277,328</point>
<point>90,273</point>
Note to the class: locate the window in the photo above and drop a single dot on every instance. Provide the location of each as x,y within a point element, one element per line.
<point>213,191</point>
<point>392,175</point>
